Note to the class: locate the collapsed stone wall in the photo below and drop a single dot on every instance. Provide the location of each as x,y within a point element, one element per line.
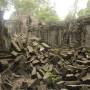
<point>57,34</point>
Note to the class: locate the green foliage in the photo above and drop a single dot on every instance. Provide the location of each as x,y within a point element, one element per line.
<point>2,2</point>
<point>85,12</point>
<point>46,14</point>
<point>40,9</point>
<point>24,5</point>
<point>88,4</point>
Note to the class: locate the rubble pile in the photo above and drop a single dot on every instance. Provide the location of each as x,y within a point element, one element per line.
<point>31,63</point>
<point>76,68</point>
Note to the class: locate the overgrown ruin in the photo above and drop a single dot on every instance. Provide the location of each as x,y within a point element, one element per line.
<point>28,63</point>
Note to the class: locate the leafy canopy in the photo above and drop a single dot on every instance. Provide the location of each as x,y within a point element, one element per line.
<point>40,9</point>
<point>85,12</point>
<point>2,3</point>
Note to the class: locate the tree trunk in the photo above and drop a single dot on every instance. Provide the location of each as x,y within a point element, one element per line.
<point>4,36</point>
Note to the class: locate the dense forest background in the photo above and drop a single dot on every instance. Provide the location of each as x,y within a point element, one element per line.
<point>40,9</point>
